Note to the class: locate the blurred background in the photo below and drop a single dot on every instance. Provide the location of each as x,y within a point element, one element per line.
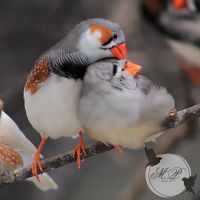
<point>27,28</point>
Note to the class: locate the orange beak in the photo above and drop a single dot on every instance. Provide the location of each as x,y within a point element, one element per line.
<point>179,4</point>
<point>132,68</point>
<point>120,52</point>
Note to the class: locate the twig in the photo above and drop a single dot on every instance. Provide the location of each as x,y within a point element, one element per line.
<point>182,116</point>
<point>66,158</point>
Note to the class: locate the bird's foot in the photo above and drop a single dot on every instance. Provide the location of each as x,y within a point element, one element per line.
<point>37,164</point>
<point>80,148</point>
<point>172,114</point>
<point>118,148</point>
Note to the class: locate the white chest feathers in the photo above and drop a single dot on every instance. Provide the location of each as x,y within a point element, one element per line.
<point>52,109</point>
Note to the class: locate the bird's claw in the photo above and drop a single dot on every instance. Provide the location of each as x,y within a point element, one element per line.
<point>118,148</point>
<point>172,114</point>
<point>80,148</point>
<point>37,164</point>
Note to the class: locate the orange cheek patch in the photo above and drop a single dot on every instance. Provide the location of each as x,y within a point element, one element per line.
<point>106,33</point>
<point>10,158</point>
<point>38,75</point>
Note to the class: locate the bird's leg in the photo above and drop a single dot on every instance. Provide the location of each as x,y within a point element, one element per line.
<point>172,114</point>
<point>79,148</point>
<point>36,161</point>
<point>118,148</point>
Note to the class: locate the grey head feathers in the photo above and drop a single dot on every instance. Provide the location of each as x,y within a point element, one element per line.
<point>105,69</point>
<point>66,58</point>
<point>108,74</point>
<point>69,43</point>
<point>115,27</point>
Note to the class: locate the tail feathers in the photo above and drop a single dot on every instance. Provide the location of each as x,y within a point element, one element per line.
<point>46,182</point>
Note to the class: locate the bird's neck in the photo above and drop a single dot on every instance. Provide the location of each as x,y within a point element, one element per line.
<point>67,64</point>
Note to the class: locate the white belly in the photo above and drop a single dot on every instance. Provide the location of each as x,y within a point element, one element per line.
<point>52,109</point>
<point>188,52</point>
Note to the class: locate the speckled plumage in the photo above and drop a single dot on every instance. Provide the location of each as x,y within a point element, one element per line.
<point>38,75</point>
<point>9,158</point>
<point>17,151</point>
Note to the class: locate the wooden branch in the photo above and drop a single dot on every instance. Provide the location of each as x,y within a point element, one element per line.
<point>66,158</point>
<point>182,116</point>
<point>53,163</point>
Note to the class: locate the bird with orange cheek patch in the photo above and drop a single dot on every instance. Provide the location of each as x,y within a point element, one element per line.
<point>17,151</point>
<point>179,21</point>
<point>53,87</point>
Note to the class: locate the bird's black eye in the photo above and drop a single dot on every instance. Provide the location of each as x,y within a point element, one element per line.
<point>114,36</point>
<point>114,69</point>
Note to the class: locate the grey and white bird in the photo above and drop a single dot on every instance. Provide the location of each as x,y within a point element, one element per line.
<point>53,87</point>
<point>116,108</point>
<point>17,151</point>
<point>179,21</point>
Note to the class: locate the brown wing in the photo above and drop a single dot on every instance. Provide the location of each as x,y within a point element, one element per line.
<point>10,158</point>
<point>38,75</point>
